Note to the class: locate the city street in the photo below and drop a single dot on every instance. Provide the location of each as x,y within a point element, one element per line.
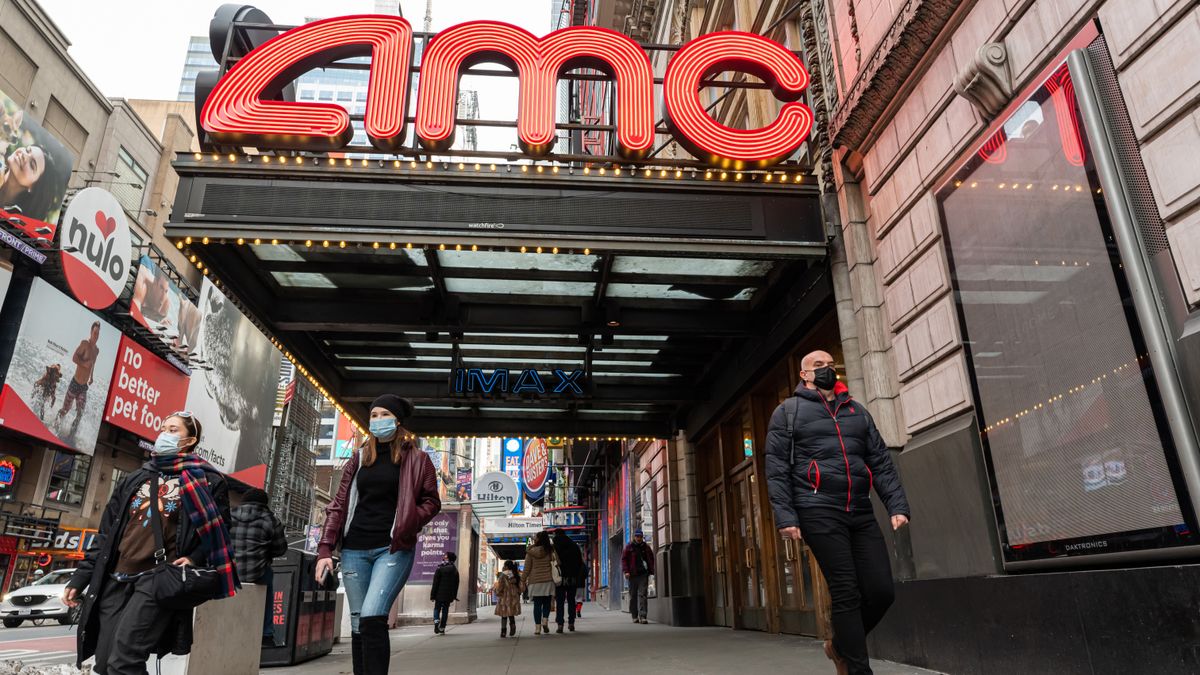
<point>605,642</point>
<point>38,645</point>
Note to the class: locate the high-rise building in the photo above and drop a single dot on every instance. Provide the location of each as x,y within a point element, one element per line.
<point>199,57</point>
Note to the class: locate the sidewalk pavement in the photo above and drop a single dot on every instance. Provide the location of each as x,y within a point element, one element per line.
<point>605,642</point>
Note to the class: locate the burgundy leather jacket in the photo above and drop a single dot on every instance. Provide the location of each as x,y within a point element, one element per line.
<point>418,504</point>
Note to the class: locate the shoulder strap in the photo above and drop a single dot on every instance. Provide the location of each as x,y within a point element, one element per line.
<point>791,425</point>
<point>160,546</point>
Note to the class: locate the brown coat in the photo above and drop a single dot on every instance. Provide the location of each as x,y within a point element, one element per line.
<point>537,566</point>
<point>508,595</point>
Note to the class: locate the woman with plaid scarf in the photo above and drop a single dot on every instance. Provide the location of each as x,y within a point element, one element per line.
<point>120,622</point>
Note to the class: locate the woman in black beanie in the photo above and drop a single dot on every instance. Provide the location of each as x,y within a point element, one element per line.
<point>387,494</point>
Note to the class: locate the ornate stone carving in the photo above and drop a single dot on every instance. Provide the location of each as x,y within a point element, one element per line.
<point>985,81</point>
<point>898,53</point>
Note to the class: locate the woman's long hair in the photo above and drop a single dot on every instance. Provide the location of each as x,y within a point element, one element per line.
<point>542,539</point>
<point>399,445</point>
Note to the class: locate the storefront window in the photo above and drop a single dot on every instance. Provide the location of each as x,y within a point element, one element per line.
<point>1065,392</point>
<point>68,478</point>
<point>118,475</point>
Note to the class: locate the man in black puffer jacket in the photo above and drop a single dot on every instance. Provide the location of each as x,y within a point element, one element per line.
<point>823,456</point>
<point>443,591</point>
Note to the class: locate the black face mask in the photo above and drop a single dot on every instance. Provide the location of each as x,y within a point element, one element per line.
<point>824,378</point>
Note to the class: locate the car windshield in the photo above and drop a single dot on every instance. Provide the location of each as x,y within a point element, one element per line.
<point>53,578</point>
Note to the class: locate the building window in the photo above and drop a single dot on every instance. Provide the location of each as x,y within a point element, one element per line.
<point>118,475</point>
<point>129,183</point>
<point>68,478</point>
<point>345,96</point>
<point>1065,393</point>
<point>307,95</point>
<point>325,96</point>
<point>361,96</point>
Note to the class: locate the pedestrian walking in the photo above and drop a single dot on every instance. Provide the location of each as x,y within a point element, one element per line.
<point>444,591</point>
<point>258,538</point>
<point>637,562</point>
<point>388,492</point>
<point>508,589</point>
<point>171,511</point>
<point>824,454</point>
<point>571,570</point>
<point>539,580</point>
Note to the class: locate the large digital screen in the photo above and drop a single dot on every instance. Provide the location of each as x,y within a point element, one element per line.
<point>235,401</point>
<point>1080,455</point>
<point>34,172</point>
<point>57,383</point>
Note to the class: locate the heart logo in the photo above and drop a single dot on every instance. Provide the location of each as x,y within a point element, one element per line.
<point>106,225</point>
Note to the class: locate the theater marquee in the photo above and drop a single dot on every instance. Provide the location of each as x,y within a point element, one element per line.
<point>240,110</point>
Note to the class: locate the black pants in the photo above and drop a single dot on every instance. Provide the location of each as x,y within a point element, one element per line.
<point>564,595</point>
<point>441,613</point>
<point>131,625</point>
<point>850,550</point>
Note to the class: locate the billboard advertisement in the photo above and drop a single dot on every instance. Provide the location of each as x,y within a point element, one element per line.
<point>33,174</point>
<point>57,383</point>
<point>159,305</point>
<point>535,468</point>
<point>145,389</point>
<point>235,401</point>
<point>97,250</point>
<point>462,484</point>
<point>345,438</point>
<point>510,463</point>
<point>438,537</point>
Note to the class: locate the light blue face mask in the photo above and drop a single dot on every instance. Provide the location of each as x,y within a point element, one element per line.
<point>383,428</point>
<point>166,444</point>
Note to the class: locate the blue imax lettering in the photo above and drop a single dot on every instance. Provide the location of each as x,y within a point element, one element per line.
<point>528,381</point>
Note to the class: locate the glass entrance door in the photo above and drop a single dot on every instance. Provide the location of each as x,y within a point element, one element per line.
<point>750,590</point>
<point>801,588</point>
<point>718,586</point>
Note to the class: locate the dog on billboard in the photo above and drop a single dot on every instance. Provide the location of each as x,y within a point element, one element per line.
<point>45,390</point>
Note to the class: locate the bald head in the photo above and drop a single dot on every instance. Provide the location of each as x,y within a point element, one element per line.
<point>813,363</point>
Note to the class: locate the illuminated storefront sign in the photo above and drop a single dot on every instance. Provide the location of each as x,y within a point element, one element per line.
<point>236,112</point>
<point>528,381</point>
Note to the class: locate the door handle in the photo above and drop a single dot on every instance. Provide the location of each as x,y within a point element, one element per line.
<point>789,555</point>
<point>749,556</point>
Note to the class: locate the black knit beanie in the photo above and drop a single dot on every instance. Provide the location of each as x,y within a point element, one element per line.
<point>402,408</point>
<point>255,496</point>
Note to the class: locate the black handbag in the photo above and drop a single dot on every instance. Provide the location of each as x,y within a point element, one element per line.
<point>175,586</point>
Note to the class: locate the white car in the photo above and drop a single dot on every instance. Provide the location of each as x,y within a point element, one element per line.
<point>39,601</point>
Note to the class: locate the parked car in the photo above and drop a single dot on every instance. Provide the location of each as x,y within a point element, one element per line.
<point>39,601</point>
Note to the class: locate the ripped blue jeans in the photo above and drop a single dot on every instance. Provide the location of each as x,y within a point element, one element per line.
<point>373,578</point>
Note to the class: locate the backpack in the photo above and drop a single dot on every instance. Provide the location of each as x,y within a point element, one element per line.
<point>791,426</point>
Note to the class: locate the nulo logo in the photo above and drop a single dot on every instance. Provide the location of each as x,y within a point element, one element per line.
<point>97,266</point>
<point>236,114</point>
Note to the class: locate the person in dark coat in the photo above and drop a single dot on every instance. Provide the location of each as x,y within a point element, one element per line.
<point>258,538</point>
<point>119,621</point>
<point>824,454</point>
<point>637,562</point>
<point>444,591</point>
<point>572,571</point>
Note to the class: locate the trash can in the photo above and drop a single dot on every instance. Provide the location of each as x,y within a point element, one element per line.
<point>304,611</point>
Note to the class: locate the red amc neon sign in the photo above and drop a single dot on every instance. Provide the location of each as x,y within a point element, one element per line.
<point>237,114</point>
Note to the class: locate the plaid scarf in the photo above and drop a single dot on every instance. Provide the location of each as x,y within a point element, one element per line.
<point>203,512</point>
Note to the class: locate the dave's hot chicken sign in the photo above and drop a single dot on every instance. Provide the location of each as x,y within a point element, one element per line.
<point>236,113</point>
<point>96,248</point>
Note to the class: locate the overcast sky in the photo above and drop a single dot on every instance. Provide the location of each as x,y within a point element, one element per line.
<point>136,48</point>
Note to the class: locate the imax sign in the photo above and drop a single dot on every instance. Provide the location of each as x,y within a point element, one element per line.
<point>528,381</point>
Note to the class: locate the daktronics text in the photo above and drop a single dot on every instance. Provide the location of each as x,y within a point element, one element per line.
<point>236,112</point>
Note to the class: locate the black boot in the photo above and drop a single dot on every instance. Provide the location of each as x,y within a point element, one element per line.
<point>503,627</point>
<point>377,647</point>
<point>512,626</point>
<point>356,652</point>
